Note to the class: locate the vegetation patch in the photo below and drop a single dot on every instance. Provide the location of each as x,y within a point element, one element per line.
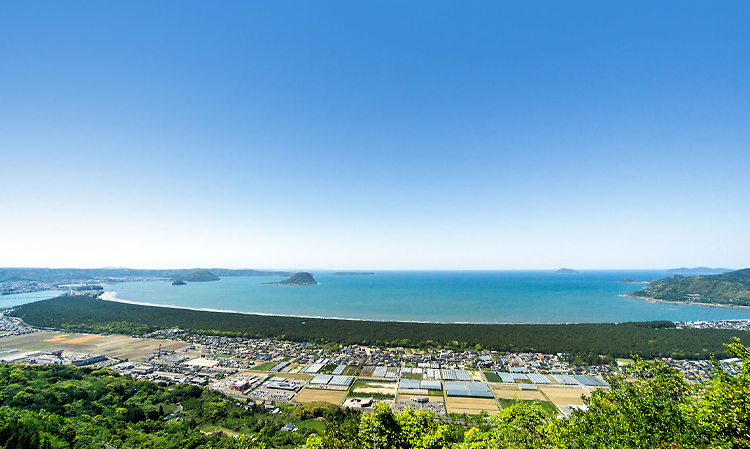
<point>648,339</point>
<point>492,376</point>
<point>265,366</point>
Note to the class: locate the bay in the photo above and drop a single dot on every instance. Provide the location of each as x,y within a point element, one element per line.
<point>434,296</point>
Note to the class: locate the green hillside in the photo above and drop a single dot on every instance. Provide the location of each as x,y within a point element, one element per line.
<point>302,278</point>
<point>731,288</point>
<point>197,276</point>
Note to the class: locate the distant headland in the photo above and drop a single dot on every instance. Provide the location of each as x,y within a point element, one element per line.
<point>353,273</point>
<point>302,278</point>
<point>630,281</point>
<point>726,289</point>
<point>566,271</point>
<point>699,270</point>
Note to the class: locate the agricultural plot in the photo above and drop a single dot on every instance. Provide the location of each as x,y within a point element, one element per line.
<point>318,395</point>
<point>471,406</point>
<point>564,396</point>
<point>115,346</point>
<point>375,387</point>
<point>525,395</point>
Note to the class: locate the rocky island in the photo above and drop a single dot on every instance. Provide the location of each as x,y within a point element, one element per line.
<point>566,271</point>
<point>629,281</point>
<point>179,283</point>
<point>302,278</point>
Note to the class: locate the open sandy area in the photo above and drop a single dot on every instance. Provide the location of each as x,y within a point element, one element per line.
<point>205,363</point>
<point>377,387</point>
<point>316,395</point>
<point>471,406</point>
<point>115,346</point>
<point>564,396</point>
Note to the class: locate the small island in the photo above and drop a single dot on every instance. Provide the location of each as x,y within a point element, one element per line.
<point>196,276</point>
<point>353,273</point>
<point>179,283</point>
<point>302,278</point>
<point>629,281</point>
<point>566,271</point>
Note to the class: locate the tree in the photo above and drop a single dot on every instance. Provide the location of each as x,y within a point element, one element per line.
<point>722,411</point>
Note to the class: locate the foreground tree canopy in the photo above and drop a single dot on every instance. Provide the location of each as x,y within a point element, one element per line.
<point>67,407</point>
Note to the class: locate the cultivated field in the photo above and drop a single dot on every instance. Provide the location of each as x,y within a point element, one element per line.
<point>316,395</point>
<point>471,406</point>
<point>525,395</point>
<point>564,396</point>
<point>376,387</point>
<point>115,346</point>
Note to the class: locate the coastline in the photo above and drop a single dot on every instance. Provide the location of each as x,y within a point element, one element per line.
<point>111,296</point>
<point>686,303</point>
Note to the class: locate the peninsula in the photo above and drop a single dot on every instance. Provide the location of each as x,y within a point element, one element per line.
<point>566,271</point>
<point>302,278</point>
<point>698,270</point>
<point>727,289</point>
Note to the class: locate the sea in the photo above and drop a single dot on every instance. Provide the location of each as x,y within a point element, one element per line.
<point>429,296</point>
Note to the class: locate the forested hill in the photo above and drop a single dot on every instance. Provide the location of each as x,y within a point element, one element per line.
<point>198,276</point>
<point>652,339</point>
<point>85,274</point>
<point>302,278</point>
<point>731,288</point>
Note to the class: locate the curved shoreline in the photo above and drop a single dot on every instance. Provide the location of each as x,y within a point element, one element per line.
<point>111,296</point>
<point>686,303</point>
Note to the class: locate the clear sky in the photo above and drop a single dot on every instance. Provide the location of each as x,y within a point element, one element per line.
<point>375,135</point>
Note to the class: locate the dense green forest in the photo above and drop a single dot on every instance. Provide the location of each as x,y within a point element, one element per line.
<point>83,274</point>
<point>57,406</point>
<point>731,288</point>
<point>648,339</point>
<point>648,406</point>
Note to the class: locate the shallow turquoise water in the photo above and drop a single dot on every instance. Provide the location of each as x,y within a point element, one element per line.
<point>440,296</point>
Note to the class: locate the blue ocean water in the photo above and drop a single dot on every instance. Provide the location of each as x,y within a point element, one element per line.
<point>24,298</point>
<point>434,296</point>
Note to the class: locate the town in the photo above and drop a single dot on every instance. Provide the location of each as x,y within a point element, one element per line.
<point>270,371</point>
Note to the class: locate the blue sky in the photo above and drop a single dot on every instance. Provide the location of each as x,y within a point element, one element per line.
<point>381,135</point>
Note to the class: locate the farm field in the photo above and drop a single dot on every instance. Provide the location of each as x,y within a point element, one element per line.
<point>471,406</point>
<point>375,387</point>
<point>115,346</point>
<point>316,395</point>
<point>525,395</point>
<point>564,396</point>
